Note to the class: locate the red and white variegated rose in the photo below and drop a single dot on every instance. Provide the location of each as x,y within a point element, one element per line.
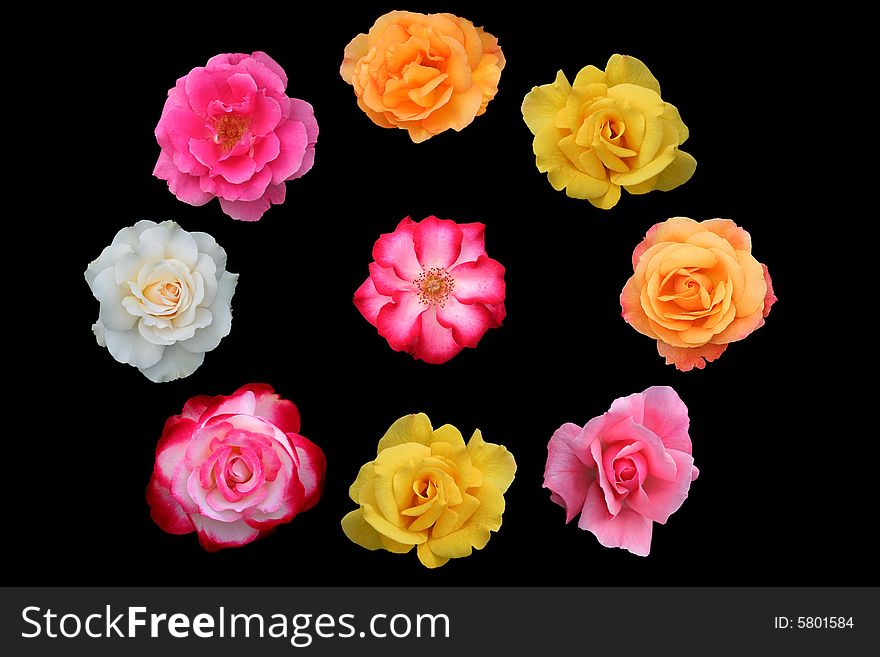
<point>432,290</point>
<point>232,468</point>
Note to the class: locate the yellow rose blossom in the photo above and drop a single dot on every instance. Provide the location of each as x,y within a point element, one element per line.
<point>609,129</point>
<point>427,488</point>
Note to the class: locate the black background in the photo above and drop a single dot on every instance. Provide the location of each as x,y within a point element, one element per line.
<point>766,508</point>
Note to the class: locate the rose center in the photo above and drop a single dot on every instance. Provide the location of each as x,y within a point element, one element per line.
<point>434,286</point>
<point>237,471</point>
<point>624,470</point>
<point>228,130</point>
<point>613,129</point>
<point>424,488</point>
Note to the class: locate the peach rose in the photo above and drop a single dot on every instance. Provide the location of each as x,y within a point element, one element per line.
<point>424,73</point>
<point>696,288</point>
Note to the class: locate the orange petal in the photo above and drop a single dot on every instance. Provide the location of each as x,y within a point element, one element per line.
<point>631,308</point>
<point>457,113</point>
<point>739,239</point>
<point>686,359</point>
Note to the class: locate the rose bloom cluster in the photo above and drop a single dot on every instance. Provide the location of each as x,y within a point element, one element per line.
<point>233,468</point>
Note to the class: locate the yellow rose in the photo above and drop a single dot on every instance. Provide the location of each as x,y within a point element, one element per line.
<point>610,129</point>
<point>427,488</point>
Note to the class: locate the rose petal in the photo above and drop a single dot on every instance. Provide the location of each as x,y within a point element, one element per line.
<point>435,343</point>
<point>473,242</point>
<point>215,535</point>
<point>312,466</point>
<point>175,363</point>
<point>481,281</point>
<point>565,475</point>
<point>663,498</point>
<point>686,359</point>
<point>303,112</point>
<point>661,410</point>
<point>397,250</point>
<point>294,141</point>
<point>165,511</point>
<point>628,530</point>
<point>369,302</point>
<point>172,446</point>
<point>386,281</point>
<point>268,405</point>
<point>437,242</point>
<point>245,210</point>
<point>469,322</point>
<point>129,347</point>
<point>399,322</point>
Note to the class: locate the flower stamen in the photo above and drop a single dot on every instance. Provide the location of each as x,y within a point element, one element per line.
<point>434,286</point>
<point>229,130</point>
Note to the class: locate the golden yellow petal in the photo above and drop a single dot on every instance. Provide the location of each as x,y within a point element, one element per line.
<point>592,165</point>
<point>467,508</point>
<point>643,187</point>
<point>358,531</point>
<point>548,156</point>
<point>609,199</point>
<point>393,546</point>
<point>589,75</point>
<point>414,428</point>
<point>381,525</point>
<point>391,459</point>
<point>670,113</point>
<point>447,434</point>
<point>494,462</point>
<point>383,492</point>
<point>403,485</point>
<point>476,531</point>
<point>622,69</point>
<point>541,104</point>
<point>571,150</point>
<point>580,185</point>
<point>446,522</point>
<point>649,170</point>
<point>610,160</point>
<point>458,456</point>
<point>678,172</point>
<point>365,475</point>
<point>419,509</point>
<point>428,558</point>
<point>428,518</point>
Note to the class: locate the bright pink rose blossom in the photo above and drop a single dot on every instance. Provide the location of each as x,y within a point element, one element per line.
<point>229,130</point>
<point>432,289</point>
<point>625,470</point>
<point>233,468</point>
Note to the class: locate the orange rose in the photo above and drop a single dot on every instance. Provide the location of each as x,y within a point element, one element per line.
<point>696,288</point>
<point>424,73</point>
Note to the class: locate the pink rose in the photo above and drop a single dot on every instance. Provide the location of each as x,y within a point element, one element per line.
<point>432,289</point>
<point>229,130</point>
<point>233,468</point>
<point>625,470</point>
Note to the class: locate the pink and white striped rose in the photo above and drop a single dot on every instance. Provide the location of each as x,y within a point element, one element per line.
<point>232,468</point>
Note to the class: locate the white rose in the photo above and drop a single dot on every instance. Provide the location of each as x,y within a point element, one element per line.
<point>165,298</point>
